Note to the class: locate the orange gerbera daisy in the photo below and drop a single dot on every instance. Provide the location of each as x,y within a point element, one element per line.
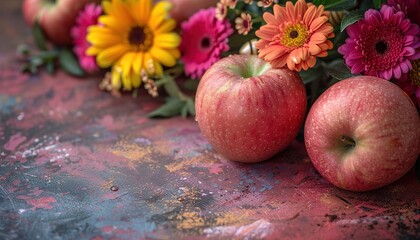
<point>295,35</point>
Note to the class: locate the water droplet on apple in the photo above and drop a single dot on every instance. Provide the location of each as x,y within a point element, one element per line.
<point>196,119</point>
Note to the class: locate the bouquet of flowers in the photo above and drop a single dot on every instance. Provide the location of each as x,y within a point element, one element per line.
<point>136,44</point>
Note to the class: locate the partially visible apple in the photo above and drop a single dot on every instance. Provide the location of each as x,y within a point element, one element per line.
<point>247,110</point>
<point>56,17</point>
<point>363,133</point>
<point>183,9</point>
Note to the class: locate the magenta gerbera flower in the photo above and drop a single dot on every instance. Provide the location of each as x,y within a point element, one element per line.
<point>204,39</point>
<point>410,8</point>
<point>382,44</point>
<point>87,17</point>
<point>410,83</point>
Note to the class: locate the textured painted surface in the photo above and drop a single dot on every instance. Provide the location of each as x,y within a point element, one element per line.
<point>77,163</point>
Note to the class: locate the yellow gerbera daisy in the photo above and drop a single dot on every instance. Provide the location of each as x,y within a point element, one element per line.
<point>131,35</point>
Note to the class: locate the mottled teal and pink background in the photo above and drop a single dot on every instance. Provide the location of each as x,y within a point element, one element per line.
<point>78,163</point>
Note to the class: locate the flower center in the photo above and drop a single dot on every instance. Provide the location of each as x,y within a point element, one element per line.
<point>381,47</point>
<point>245,23</point>
<point>205,42</point>
<point>140,38</point>
<point>295,35</point>
<point>414,74</point>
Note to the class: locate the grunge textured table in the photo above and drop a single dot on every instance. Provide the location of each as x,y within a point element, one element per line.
<point>78,163</point>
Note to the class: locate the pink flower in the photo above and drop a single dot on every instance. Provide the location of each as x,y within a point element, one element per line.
<point>410,8</point>
<point>410,83</point>
<point>382,44</point>
<point>87,17</point>
<point>204,39</point>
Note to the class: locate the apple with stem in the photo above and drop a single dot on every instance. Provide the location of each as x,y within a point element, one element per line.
<point>363,133</point>
<point>56,17</point>
<point>247,110</point>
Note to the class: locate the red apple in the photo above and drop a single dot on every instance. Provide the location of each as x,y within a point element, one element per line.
<point>247,110</point>
<point>56,17</point>
<point>183,9</point>
<point>363,133</point>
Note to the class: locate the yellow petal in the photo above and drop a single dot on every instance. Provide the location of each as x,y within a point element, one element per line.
<point>166,26</point>
<point>126,63</point>
<point>123,12</point>
<point>93,51</point>
<point>136,80</point>
<point>141,11</point>
<point>100,29</point>
<point>159,14</point>
<point>167,40</point>
<point>138,63</point>
<point>103,40</point>
<point>146,59</point>
<point>114,24</point>
<point>162,56</point>
<point>107,7</point>
<point>116,77</point>
<point>110,55</point>
<point>158,68</point>
<point>174,52</point>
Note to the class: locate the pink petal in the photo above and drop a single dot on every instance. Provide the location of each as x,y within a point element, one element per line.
<point>397,72</point>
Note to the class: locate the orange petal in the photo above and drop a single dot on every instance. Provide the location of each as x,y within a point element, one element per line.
<point>280,62</point>
<point>311,61</point>
<point>314,49</point>
<point>304,65</point>
<point>290,11</point>
<point>322,54</point>
<point>275,52</point>
<point>270,19</point>
<point>317,23</point>
<point>318,38</point>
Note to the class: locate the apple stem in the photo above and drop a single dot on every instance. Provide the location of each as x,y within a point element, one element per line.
<point>348,141</point>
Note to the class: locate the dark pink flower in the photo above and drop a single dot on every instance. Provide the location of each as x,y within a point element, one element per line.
<point>411,9</point>
<point>410,83</point>
<point>86,18</point>
<point>204,39</point>
<point>382,44</point>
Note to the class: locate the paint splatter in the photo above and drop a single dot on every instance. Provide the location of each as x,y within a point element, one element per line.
<point>39,203</point>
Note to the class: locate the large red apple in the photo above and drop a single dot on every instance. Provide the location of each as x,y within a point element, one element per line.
<point>363,133</point>
<point>56,17</point>
<point>247,110</point>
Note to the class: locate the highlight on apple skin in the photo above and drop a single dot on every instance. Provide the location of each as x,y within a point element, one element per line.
<point>363,133</point>
<point>247,110</point>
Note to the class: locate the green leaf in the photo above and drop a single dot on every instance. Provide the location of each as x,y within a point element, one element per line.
<point>350,18</point>
<point>336,5</point>
<point>39,36</point>
<point>69,63</point>
<point>191,85</point>
<point>339,70</point>
<point>172,107</point>
<point>184,111</point>
<point>36,61</point>
<point>191,107</point>
<point>313,74</point>
<point>23,50</point>
<point>378,3</point>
